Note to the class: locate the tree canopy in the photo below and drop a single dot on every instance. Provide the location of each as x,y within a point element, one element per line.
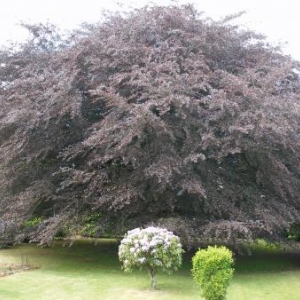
<point>159,116</point>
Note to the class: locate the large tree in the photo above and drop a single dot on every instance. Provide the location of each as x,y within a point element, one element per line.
<point>154,117</point>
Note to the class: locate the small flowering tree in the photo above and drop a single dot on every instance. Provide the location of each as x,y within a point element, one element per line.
<point>152,249</point>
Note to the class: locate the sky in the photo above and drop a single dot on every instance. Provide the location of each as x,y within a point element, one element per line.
<point>278,20</point>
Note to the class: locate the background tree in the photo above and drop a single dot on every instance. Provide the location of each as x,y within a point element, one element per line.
<point>158,116</point>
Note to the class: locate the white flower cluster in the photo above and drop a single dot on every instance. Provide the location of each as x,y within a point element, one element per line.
<point>151,247</point>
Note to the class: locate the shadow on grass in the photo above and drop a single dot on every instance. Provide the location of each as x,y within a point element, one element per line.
<point>89,254</point>
<point>268,262</point>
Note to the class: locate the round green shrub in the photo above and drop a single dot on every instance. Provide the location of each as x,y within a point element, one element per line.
<point>212,270</point>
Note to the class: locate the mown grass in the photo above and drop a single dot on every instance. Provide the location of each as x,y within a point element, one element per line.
<point>85,271</point>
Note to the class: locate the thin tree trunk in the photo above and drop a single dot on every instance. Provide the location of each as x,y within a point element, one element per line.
<point>151,272</point>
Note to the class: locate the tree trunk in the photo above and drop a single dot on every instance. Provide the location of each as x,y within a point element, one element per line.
<point>152,278</point>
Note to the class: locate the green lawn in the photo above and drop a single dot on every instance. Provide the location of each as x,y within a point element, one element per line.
<point>90,272</point>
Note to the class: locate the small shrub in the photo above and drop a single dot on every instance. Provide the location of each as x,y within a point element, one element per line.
<point>33,222</point>
<point>152,249</point>
<point>261,245</point>
<point>212,270</point>
<point>294,232</point>
<point>90,225</point>
<point>61,234</point>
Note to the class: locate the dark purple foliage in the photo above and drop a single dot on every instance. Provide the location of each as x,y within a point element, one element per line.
<point>155,117</point>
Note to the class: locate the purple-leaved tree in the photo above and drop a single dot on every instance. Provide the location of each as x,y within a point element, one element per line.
<point>154,117</point>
